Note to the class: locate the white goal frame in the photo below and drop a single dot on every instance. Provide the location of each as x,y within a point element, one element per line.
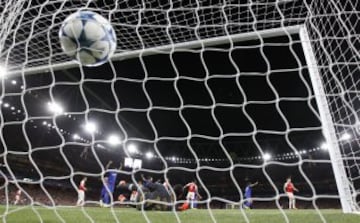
<point>168,48</point>
<point>346,199</point>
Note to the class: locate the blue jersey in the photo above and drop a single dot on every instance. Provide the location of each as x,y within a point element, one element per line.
<point>108,189</point>
<point>248,192</point>
<point>112,174</point>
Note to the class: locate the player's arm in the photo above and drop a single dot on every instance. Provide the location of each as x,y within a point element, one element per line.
<point>108,164</point>
<point>121,166</point>
<point>254,184</point>
<point>83,185</point>
<point>295,189</point>
<point>197,193</point>
<point>143,178</point>
<point>186,185</point>
<point>285,185</point>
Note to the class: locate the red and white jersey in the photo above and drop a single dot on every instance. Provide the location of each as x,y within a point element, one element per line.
<point>289,187</point>
<point>82,185</point>
<point>192,187</point>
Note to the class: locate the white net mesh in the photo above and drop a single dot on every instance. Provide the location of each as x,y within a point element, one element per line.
<point>217,91</point>
<point>31,30</point>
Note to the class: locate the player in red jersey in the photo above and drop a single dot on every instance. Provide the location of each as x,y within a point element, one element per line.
<point>17,197</point>
<point>289,189</point>
<point>81,192</point>
<point>192,192</point>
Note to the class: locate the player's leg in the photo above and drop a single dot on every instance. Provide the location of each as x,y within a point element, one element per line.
<point>246,204</point>
<point>290,196</point>
<point>195,201</point>
<point>82,198</point>
<point>106,198</point>
<point>17,198</point>
<point>108,195</point>
<point>184,206</point>
<point>188,199</point>
<point>102,195</point>
<point>78,200</point>
<point>293,203</point>
<point>250,202</point>
<point>191,199</point>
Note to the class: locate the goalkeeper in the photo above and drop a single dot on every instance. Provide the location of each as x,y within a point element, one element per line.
<point>155,195</point>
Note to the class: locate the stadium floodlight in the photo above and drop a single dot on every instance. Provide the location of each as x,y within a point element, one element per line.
<point>132,148</point>
<point>6,105</point>
<point>114,140</point>
<point>345,136</point>
<point>55,108</point>
<point>3,71</point>
<point>90,127</point>
<point>76,136</point>
<point>324,146</point>
<point>266,156</point>
<point>100,146</point>
<point>149,155</point>
<point>13,82</point>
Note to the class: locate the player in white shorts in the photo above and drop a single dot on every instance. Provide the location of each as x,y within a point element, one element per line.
<point>81,192</point>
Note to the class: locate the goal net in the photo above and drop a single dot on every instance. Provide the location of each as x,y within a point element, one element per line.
<point>236,95</point>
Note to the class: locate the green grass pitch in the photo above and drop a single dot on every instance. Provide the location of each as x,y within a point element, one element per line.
<point>27,214</point>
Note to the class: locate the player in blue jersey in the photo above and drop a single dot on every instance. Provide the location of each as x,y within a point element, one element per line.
<point>109,184</point>
<point>248,195</point>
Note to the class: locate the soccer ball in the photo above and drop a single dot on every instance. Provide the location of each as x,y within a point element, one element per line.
<point>88,38</point>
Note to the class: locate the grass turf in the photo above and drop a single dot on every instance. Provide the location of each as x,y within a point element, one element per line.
<point>27,214</point>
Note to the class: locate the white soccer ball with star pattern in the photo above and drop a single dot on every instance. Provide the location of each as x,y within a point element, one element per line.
<point>88,38</point>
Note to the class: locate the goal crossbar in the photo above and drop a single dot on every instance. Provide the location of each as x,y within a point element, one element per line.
<point>241,37</point>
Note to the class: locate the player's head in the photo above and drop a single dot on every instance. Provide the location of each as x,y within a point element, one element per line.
<point>288,179</point>
<point>122,182</point>
<point>149,178</point>
<point>85,179</point>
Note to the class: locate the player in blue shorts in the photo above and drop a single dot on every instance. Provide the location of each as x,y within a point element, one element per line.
<point>109,184</point>
<point>248,195</point>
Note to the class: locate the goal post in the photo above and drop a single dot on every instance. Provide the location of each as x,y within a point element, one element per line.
<point>346,193</point>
